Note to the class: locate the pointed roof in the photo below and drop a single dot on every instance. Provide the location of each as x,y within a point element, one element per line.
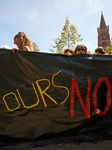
<point>102,21</point>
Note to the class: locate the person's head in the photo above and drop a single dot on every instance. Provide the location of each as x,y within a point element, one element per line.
<point>99,50</point>
<point>80,49</point>
<point>69,51</point>
<point>21,39</point>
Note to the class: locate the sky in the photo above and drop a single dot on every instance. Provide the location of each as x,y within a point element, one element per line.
<point>43,20</point>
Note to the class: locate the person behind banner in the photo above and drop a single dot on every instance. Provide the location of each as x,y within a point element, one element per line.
<point>99,51</point>
<point>69,52</point>
<point>80,49</point>
<point>23,42</point>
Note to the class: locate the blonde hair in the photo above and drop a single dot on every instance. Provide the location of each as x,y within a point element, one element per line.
<point>25,41</point>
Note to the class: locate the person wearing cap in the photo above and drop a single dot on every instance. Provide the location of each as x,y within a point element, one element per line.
<point>80,49</point>
<point>99,51</point>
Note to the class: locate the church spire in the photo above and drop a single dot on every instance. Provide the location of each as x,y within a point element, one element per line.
<point>102,21</point>
<point>103,33</point>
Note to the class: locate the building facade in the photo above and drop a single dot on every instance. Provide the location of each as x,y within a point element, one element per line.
<point>103,33</point>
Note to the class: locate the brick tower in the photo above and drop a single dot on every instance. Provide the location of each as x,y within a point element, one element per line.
<point>103,33</point>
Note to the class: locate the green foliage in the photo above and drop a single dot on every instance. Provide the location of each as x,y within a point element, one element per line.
<point>109,48</point>
<point>68,37</point>
<point>59,45</point>
<point>35,47</point>
<point>88,52</point>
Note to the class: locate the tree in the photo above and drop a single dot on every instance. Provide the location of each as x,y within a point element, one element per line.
<point>68,37</point>
<point>59,45</point>
<point>88,52</point>
<point>109,48</point>
<point>35,47</point>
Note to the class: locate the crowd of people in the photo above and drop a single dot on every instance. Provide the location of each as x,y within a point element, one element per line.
<point>82,49</point>
<point>23,42</point>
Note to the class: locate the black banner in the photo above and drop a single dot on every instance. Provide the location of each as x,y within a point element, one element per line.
<point>46,95</point>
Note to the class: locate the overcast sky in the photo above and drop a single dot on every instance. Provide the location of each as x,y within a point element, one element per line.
<point>42,20</point>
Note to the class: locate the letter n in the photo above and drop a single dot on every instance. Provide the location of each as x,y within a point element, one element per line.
<point>86,108</point>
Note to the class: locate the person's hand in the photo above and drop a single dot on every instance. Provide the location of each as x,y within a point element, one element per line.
<point>13,50</point>
<point>95,54</point>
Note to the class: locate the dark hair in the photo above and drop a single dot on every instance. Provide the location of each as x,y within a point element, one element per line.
<point>110,53</point>
<point>100,49</point>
